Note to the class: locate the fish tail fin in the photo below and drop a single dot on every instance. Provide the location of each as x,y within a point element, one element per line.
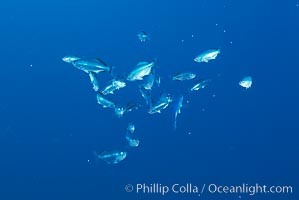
<point>219,49</point>
<point>155,62</point>
<point>95,157</point>
<point>95,154</point>
<point>171,77</point>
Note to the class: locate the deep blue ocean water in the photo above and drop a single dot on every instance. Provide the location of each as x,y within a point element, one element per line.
<point>50,122</point>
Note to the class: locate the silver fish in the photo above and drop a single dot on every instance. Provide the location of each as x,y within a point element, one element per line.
<point>143,36</point>
<point>114,85</point>
<point>184,76</point>
<point>246,82</point>
<point>94,81</point>
<point>92,65</point>
<point>177,110</point>
<point>132,140</point>
<point>131,128</point>
<point>105,102</point>
<point>132,106</point>
<point>149,82</point>
<point>163,103</point>
<point>142,69</point>
<point>158,80</point>
<point>119,111</point>
<point>200,84</point>
<point>207,55</point>
<point>112,157</point>
<point>146,94</point>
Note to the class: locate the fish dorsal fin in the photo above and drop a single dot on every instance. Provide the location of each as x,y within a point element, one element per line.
<point>141,63</point>
<point>101,61</point>
<point>177,74</point>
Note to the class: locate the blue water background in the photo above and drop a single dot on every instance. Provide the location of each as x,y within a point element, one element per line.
<point>51,123</point>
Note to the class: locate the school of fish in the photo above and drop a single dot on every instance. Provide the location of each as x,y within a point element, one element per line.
<point>145,72</point>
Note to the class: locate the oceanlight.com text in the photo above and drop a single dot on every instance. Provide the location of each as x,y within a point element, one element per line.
<point>249,189</point>
<point>201,189</point>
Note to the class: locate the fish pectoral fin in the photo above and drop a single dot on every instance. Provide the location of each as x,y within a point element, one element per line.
<point>101,61</point>
<point>142,63</point>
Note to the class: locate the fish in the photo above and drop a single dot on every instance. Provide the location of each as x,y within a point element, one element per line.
<point>132,106</point>
<point>142,69</point>
<point>94,81</point>
<point>119,111</point>
<point>70,59</point>
<point>131,128</point>
<point>114,85</point>
<point>112,157</point>
<point>132,140</point>
<point>149,82</point>
<point>92,65</point>
<point>163,103</point>
<point>207,55</point>
<point>246,82</point>
<point>143,36</point>
<point>177,110</point>
<point>105,102</point>
<point>184,76</point>
<point>158,80</point>
<point>146,94</point>
<point>200,84</point>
